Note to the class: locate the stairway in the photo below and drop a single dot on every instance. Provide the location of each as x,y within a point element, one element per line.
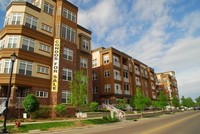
<point>119,113</point>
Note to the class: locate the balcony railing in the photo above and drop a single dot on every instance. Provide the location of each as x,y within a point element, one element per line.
<point>117,77</point>
<point>116,64</point>
<point>127,92</point>
<point>137,72</point>
<point>118,91</point>
<point>125,67</point>
<point>126,79</point>
<point>138,83</point>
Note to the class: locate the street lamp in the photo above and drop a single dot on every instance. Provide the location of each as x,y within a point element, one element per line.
<point>13,58</point>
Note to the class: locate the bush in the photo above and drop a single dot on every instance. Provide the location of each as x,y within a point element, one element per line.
<point>60,110</point>
<point>30,103</point>
<point>109,119</point>
<point>121,104</point>
<point>41,113</point>
<point>93,106</point>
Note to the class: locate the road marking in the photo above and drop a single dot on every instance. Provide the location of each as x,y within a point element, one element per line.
<point>170,124</point>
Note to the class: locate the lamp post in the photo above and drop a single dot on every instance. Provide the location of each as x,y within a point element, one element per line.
<point>13,58</point>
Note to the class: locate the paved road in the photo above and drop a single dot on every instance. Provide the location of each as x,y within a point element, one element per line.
<point>179,123</point>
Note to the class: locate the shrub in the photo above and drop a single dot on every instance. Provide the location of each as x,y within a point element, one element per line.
<point>110,119</point>
<point>41,113</point>
<point>93,106</point>
<point>121,104</point>
<point>60,110</point>
<point>30,103</point>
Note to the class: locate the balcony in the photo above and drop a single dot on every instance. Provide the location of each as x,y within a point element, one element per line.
<point>153,88</point>
<point>126,80</point>
<point>137,72</point>
<point>126,92</point>
<point>118,91</point>
<point>152,78</point>
<point>125,67</point>
<point>117,64</point>
<point>117,77</point>
<point>138,83</point>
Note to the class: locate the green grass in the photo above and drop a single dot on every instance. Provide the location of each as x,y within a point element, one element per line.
<point>46,126</point>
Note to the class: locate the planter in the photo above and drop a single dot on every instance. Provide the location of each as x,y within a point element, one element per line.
<point>17,124</point>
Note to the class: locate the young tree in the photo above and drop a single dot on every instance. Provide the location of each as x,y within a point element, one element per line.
<point>162,101</point>
<point>139,100</point>
<point>183,101</point>
<point>175,101</point>
<point>78,88</point>
<point>121,104</point>
<point>30,103</point>
<point>60,109</point>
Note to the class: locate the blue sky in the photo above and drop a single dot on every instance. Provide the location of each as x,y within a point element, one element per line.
<point>164,34</point>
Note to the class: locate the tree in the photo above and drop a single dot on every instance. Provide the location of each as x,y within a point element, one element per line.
<point>183,101</point>
<point>121,104</point>
<point>30,103</point>
<point>175,101</point>
<point>139,100</point>
<point>78,88</point>
<point>198,101</point>
<point>187,102</point>
<point>60,109</point>
<point>162,101</point>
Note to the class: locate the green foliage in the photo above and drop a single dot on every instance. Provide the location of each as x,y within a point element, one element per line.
<point>139,99</point>
<point>175,101</point>
<point>162,101</point>
<point>132,100</point>
<point>78,89</point>
<point>93,106</point>
<point>41,113</point>
<point>121,104</point>
<point>60,110</point>
<point>187,102</point>
<point>148,101</point>
<point>30,103</point>
<point>197,101</point>
<point>110,119</point>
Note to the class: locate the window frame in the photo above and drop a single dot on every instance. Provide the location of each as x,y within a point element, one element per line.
<point>66,74</point>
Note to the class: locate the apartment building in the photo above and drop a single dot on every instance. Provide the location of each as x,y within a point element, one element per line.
<point>168,84</point>
<point>116,76</point>
<point>50,46</point>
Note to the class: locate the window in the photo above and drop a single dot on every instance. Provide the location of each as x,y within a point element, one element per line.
<point>16,18</point>
<point>46,28</point>
<point>84,63</point>
<point>68,54</point>
<point>67,74</point>
<point>44,70</point>
<point>85,44</point>
<point>107,101</point>
<point>125,74</point>
<point>117,75</point>
<point>137,81</point>
<point>48,8</point>
<point>25,68</point>
<point>107,87</point>
<point>95,90</point>
<point>0,66</point>
<point>28,44</point>
<point>94,76</point>
<point>12,41</point>
<point>7,66</point>
<point>6,22</point>
<point>44,47</point>
<point>126,87</point>
<point>118,88</point>
<point>94,63</point>
<point>106,59</point>
<point>2,43</point>
<point>69,15</point>
<point>42,94</point>
<point>106,73</point>
<point>66,97</point>
<point>31,22</point>
<point>68,33</point>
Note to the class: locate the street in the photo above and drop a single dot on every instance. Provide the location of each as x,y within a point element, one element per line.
<point>178,123</point>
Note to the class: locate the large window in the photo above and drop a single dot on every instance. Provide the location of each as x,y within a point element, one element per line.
<point>12,41</point>
<point>106,59</point>
<point>67,74</point>
<point>44,47</point>
<point>16,18</point>
<point>106,73</point>
<point>66,97</point>
<point>84,63</point>
<point>28,44</point>
<point>25,68</point>
<point>48,8</point>
<point>41,69</point>
<point>94,76</point>
<point>46,28</point>
<point>68,54</point>
<point>6,22</point>
<point>7,66</point>
<point>0,66</point>
<point>69,15</point>
<point>86,44</point>
<point>2,43</point>
<point>42,94</point>
<point>94,63</point>
<point>95,90</point>
<point>31,22</point>
<point>107,87</point>
<point>68,33</point>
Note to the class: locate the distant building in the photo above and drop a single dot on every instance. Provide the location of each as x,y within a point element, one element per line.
<point>50,46</point>
<point>116,76</point>
<point>168,84</point>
